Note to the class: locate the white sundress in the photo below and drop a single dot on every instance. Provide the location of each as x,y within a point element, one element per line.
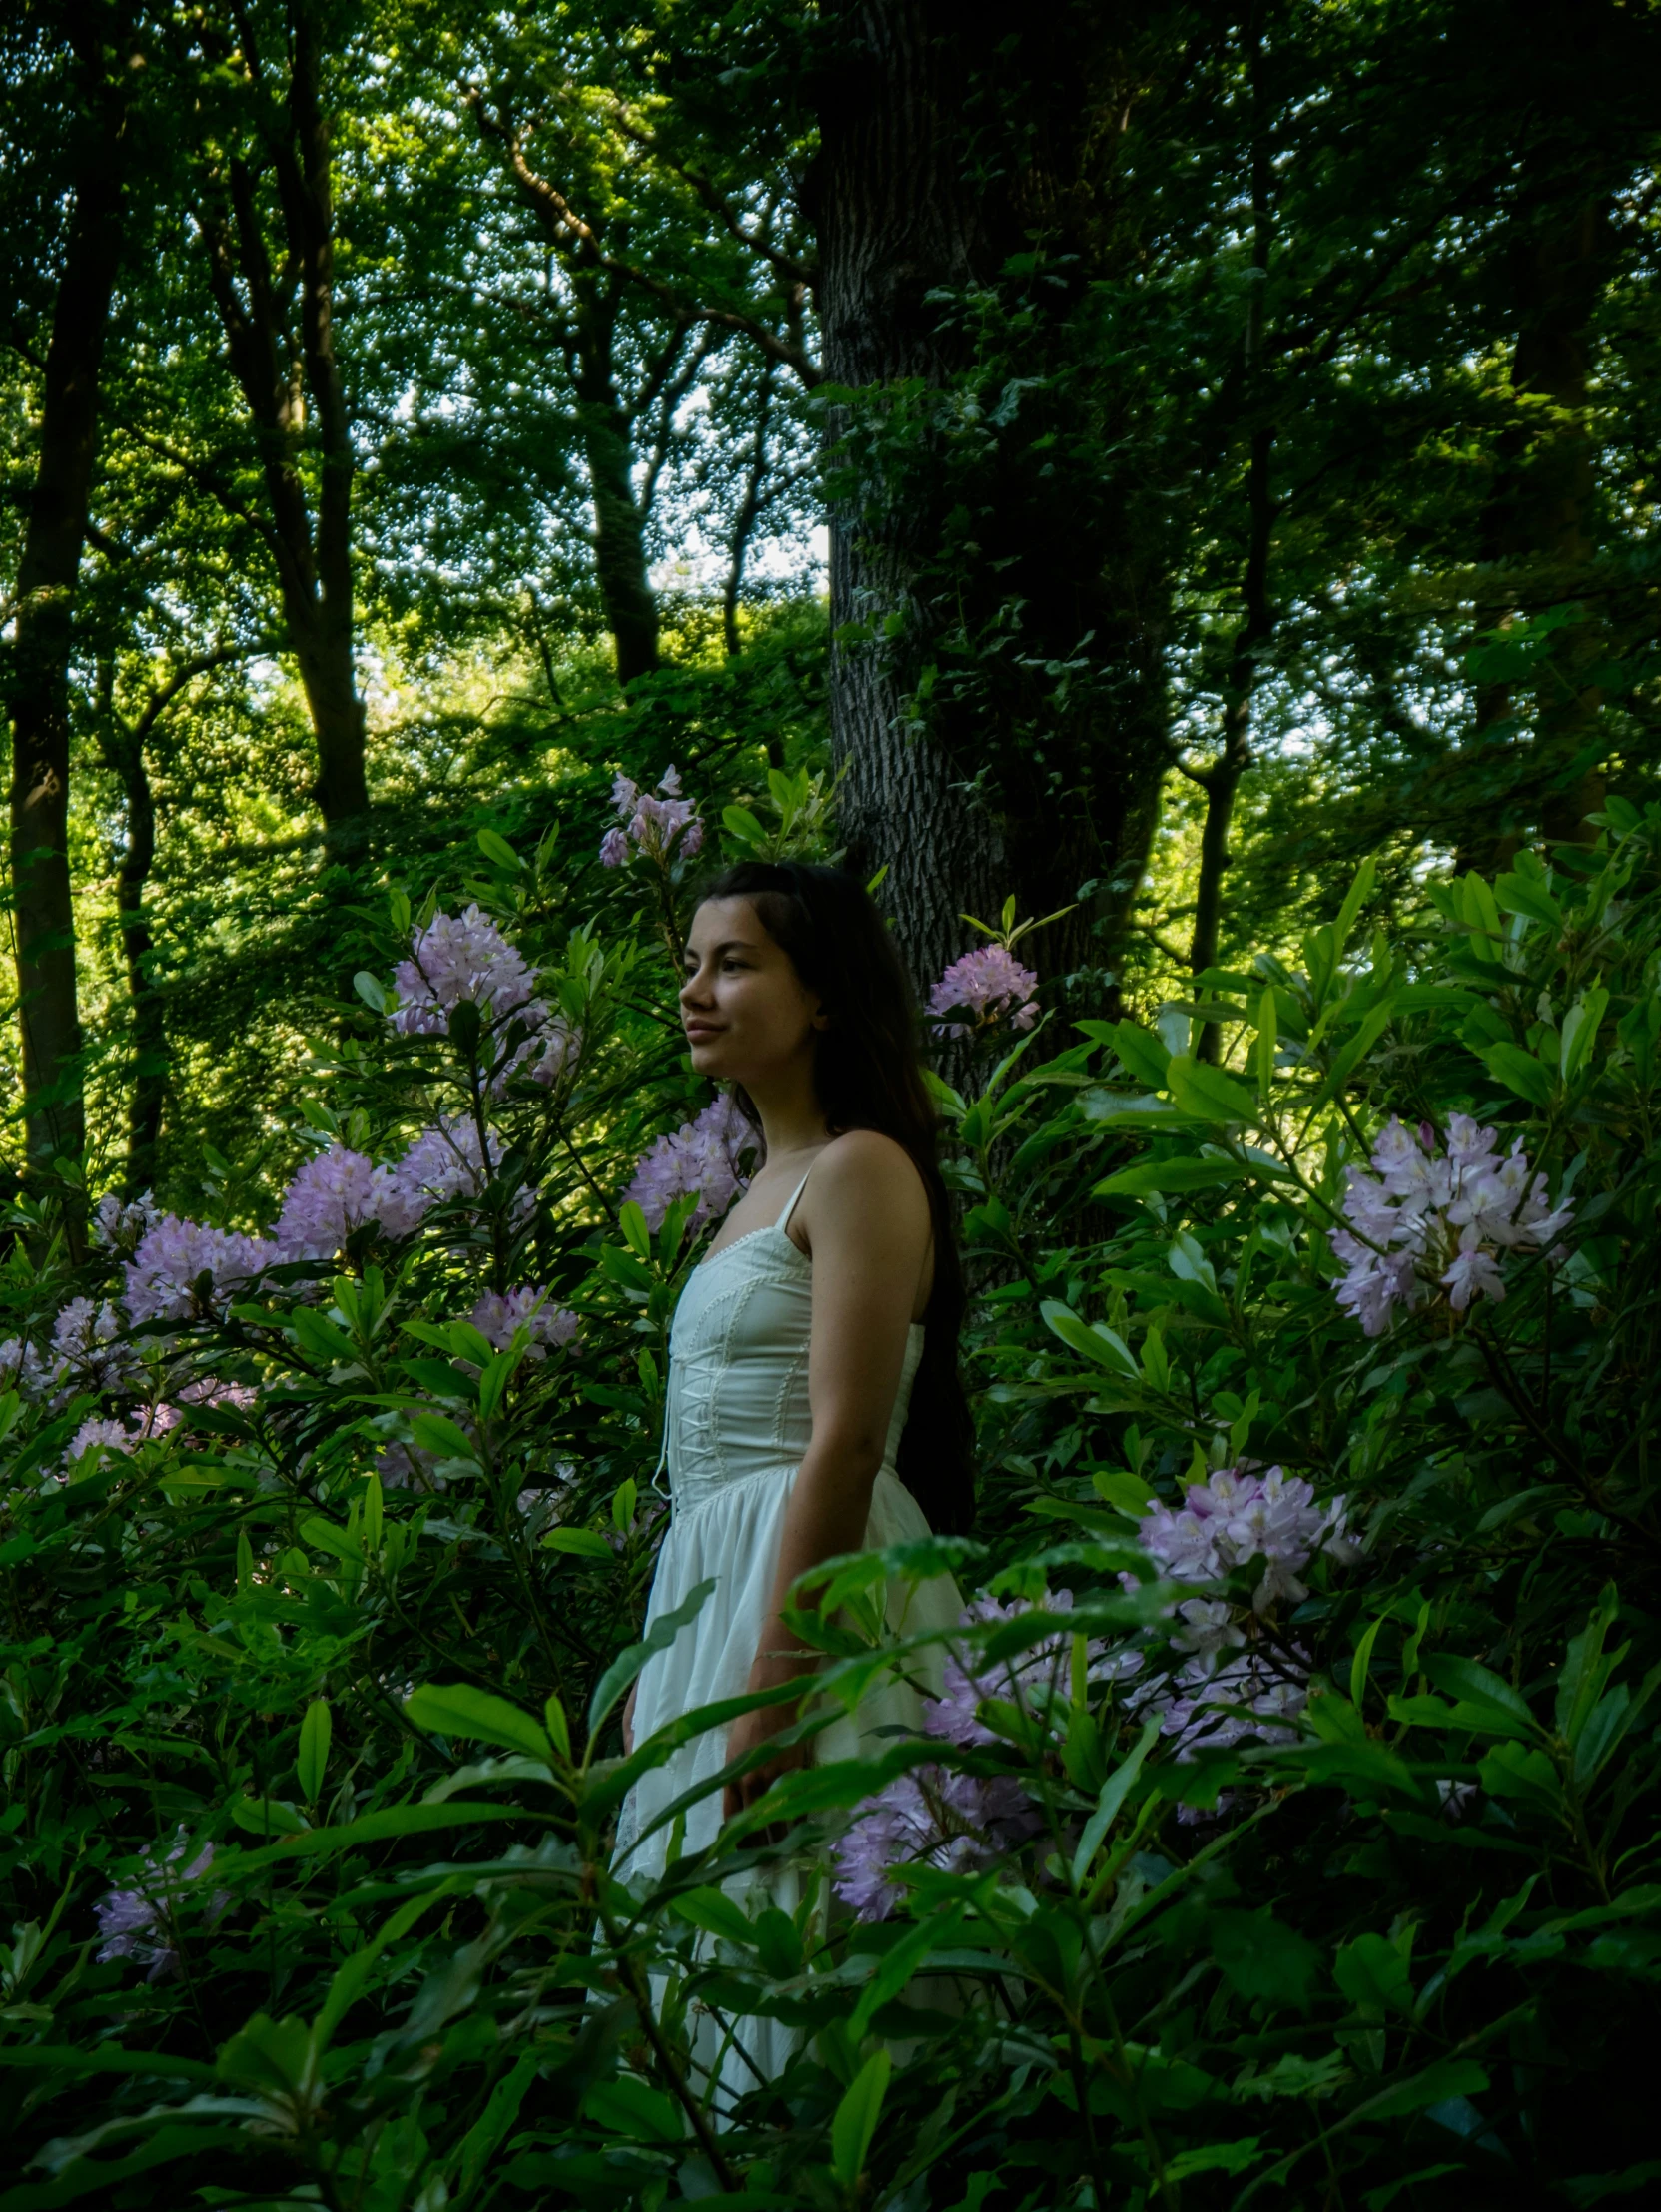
<point>738,1425</point>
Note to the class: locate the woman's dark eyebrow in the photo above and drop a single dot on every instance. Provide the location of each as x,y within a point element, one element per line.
<point>728,945</point>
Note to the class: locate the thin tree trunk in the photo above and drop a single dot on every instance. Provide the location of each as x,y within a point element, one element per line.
<point>749,511</point>
<point>150,1056</point>
<point>313,567</point>
<point>620,567</point>
<point>38,692</point>
<point>1221,779</point>
<point>894,223</point>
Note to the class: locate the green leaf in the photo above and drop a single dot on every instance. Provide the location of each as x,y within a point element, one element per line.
<point>323,1536</point>
<point>267,1816</point>
<point>1202,1090</point>
<point>1188,1173</point>
<point>856,2119</point>
<point>314,1732</point>
<point>634,2108</point>
<point>1478,1689</point>
<point>495,847</point>
<point>1362,1662</point>
<point>558,1728</point>
<point>897,1966</point>
<point>436,1432</point>
<point>370,989</point>
<point>1517,895</point>
<point>637,1236</point>
<point>628,1664</point>
<point>716,1913</point>
<point>1113,1794</point>
<point>1518,1071</point>
<point>1134,1497</point>
<point>1373,1975</point>
<point>585,1543</point>
<point>1446,2080</point>
<point>458,1709</point>
<point>1360,890</point>
<point>1141,1051</point>
<point>1263,1958</point>
<point>1580,1026</point>
<point>1268,1041</point>
<point>1097,1344</point>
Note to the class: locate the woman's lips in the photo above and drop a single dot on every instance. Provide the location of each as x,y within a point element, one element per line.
<point>697,1031</point>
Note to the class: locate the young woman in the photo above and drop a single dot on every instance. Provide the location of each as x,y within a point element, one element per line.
<point>813,1398</point>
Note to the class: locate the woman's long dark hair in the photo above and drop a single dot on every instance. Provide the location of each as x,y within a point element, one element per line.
<point>868,1076</point>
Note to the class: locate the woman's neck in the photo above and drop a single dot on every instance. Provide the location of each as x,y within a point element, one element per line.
<point>792,1119</point>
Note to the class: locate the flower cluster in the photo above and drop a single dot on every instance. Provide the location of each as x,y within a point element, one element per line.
<point>498,1315</point>
<point>447,1162</point>
<point>936,1816</point>
<point>142,1922</point>
<point>97,1435</point>
<point>1432,1217</point>
<point>653,823</point>
<point>1236,1517</point>
<point>465,960</point>
<point>1231,1681</point>
<point>331,1195</point>
<point>121,1228</point>
<point>988,982</point>
<point>21,1368</point>
<point>181,1268</point>
<point>87,1353</point>
<point>702,1156</point>
<point>456,960</point>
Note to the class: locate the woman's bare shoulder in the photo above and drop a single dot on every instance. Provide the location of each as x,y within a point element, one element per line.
<point>865,1163</point>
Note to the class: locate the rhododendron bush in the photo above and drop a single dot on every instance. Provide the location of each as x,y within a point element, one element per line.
<point>1284,1827</point>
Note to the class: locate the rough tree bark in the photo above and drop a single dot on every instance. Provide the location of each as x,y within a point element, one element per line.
<point>276,376</point>
<point>895,222</point>
<point>38,704</point>
<point>1008,786</point>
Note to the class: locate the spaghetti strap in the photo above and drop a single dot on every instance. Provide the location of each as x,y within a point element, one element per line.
<point>783,1221</point>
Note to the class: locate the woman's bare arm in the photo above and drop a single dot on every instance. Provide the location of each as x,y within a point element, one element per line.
<point>866,1215</point>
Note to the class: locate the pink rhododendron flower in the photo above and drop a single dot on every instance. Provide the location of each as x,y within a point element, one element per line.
<point>702,1155</point>
<point>456,960</point>
<point>445,1162</point>
<point>118,1228</point>
<point>331,1195</point>
<point>658,824</point>
<point>86,1352</point>
<point>1235,1517</point>
<point>1426,1218</point>
<point>988,982</point>
<point>141,1922</point>
<point>175,1256</point>
<point>499,1314</point>
<point>21,1368</point>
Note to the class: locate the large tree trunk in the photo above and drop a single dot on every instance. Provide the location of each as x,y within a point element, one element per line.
<point>895,221</point>
<point>38,690</point>
<point>1539,533</point>
<point>973,767</point>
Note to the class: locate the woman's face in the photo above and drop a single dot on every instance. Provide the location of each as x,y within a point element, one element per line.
<point>746,1013</point>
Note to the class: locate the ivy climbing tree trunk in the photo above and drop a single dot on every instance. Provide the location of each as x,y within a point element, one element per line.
<point>37,687</point>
